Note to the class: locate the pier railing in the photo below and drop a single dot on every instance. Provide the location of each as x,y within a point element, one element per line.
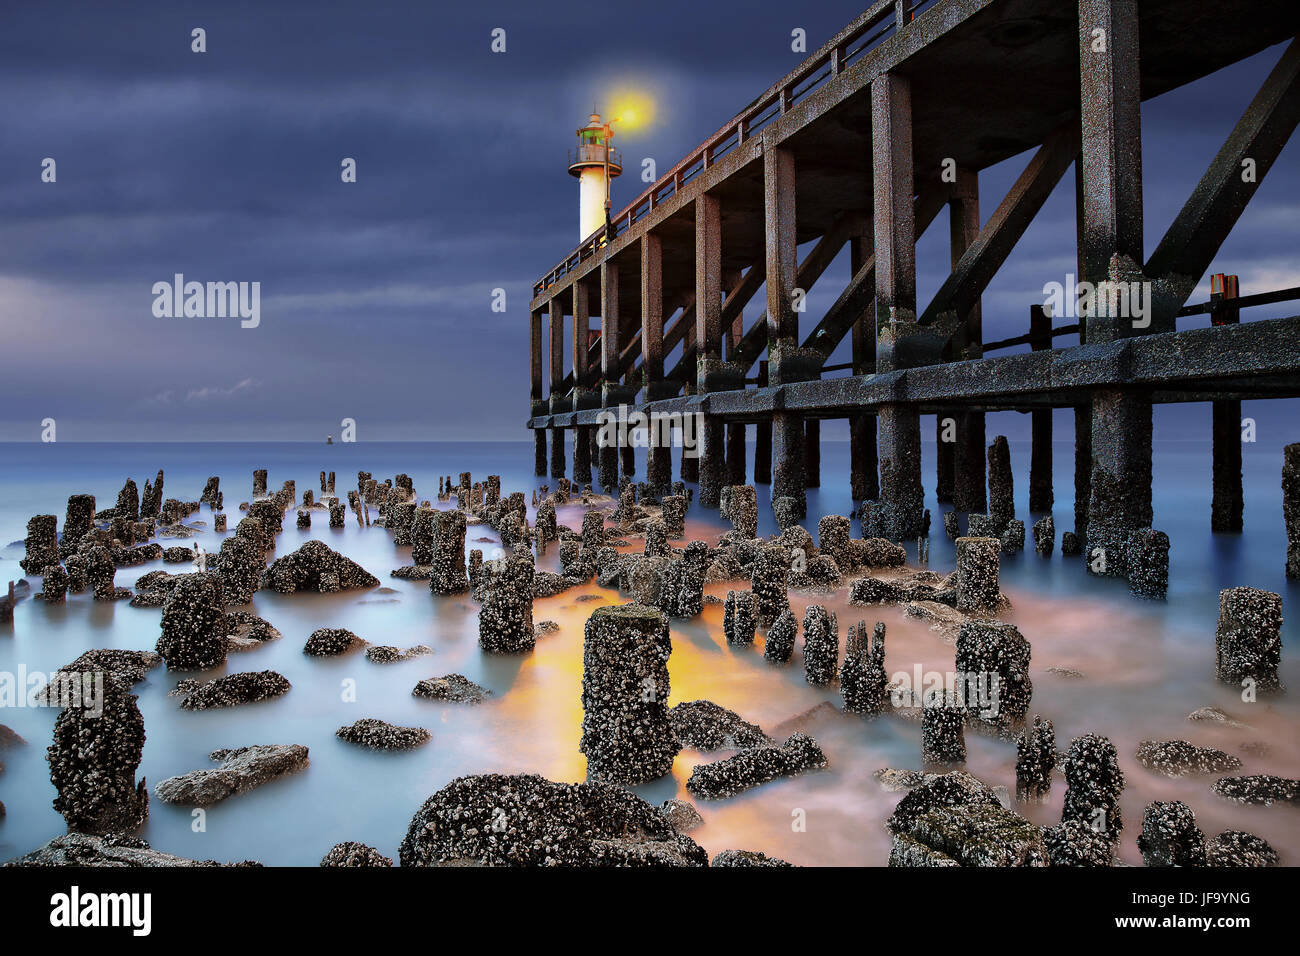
<point>1217,305</point>
<point>880,21</point>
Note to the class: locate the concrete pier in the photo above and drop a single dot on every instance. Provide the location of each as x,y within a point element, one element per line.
<point>857,148</point>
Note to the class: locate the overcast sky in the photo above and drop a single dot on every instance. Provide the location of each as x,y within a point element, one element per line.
<point>376,295</point>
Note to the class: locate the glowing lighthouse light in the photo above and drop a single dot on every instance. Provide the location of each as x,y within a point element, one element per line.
<point>595,162</point>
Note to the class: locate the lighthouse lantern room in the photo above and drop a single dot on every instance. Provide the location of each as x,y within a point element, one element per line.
<point>594,162</point>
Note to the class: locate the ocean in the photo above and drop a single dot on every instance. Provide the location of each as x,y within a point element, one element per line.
<point>1145,664</point>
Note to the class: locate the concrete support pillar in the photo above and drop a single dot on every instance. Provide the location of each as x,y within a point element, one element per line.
<point>763,453</point>
<point>535,394</point>
<point>899,427</point>
<point>900,473</point>
<point>1041,495</point>
<point>895,224</point>
<point>712,470</point>
<point>652,316</point>
<point>968,451</point>
<point>963,230</point>
<point>1082,468</point>
<point>581,335</point>
<point>659,468</point>
<point>781,265</point>
<point>556,343</point>
<point>1082,413</point>
<point>690,470</point>
<point>608,467</point>
<point>708,469</point>
<point>864,476</point>
<point>969,462</point>
<point>1228,501</point>
<point>763,439</point>
<point>734,467</point>
<point>812,453</point>
<point>1110,213</point>
<point>736,453</point>
<point>582,456</point>
<point>539,451</point>
<point>1120,495</point>
<point>788,460</point>
<point>610,344</point>
<point>781,261</point>
<point>557,383</point>
<point>611,340</point>
<point>945,455</point>
<point>708,284</point>
<point>1111,125</point>
<point>583,396</point>
<point>557,452</point>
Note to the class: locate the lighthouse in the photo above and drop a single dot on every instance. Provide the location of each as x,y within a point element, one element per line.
<point>594,163</point>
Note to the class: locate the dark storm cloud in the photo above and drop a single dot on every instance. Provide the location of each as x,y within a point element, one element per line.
<point>375,296</point>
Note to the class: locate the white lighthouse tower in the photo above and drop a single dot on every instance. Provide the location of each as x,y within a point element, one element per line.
<point>595,162</point>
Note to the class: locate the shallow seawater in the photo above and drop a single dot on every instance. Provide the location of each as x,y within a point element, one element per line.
<point>1146,665</point>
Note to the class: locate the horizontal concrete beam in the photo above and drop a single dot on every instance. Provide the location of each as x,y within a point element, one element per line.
<point>1193,365</point>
